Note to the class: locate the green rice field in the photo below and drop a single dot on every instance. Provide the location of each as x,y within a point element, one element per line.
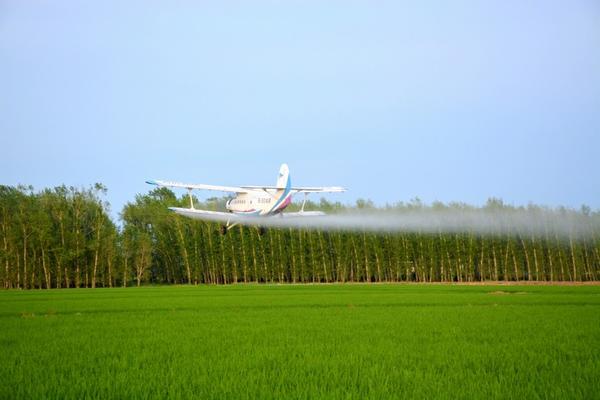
<point>349,341</point>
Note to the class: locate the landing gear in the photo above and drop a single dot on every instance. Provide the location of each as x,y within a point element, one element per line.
<point>223,230</point>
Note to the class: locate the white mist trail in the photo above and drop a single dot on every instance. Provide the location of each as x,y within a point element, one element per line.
<point>538,222</point>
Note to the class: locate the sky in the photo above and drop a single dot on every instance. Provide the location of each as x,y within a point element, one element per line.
<point>445,101</point>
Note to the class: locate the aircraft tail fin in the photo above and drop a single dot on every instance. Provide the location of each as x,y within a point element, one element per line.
<point>284,177</point>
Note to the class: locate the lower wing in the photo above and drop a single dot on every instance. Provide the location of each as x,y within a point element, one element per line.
<point>219,216</point>
<point>216,216</point>
<point>301,214</point>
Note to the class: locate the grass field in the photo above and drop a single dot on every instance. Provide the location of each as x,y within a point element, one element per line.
<point>322,341</point>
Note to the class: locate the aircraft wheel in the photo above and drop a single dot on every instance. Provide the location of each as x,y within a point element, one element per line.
<point>262,230</point>
<point>223,230</point>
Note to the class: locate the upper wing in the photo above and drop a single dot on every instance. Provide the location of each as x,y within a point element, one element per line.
<point>200,186</point>
<point>245,189</point>
<point>300,189</point>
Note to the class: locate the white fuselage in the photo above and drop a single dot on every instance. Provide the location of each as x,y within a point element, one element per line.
<point>261,202</point>
<point>258,203</point>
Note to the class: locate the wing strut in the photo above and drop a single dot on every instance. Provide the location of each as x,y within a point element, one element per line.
<point>191,201</point>
<point>304,202</point>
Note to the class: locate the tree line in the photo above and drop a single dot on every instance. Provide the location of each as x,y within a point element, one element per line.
<point>64,237</point>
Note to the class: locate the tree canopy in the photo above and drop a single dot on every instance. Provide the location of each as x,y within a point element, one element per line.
<point>64,237</point>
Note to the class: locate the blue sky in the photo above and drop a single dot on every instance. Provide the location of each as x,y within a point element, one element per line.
<point>449,101</point>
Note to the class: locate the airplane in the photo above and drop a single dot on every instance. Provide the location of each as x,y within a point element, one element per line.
<point>250,203</point>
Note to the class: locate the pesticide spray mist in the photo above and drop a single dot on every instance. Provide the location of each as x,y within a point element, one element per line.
<point>522,221</point>
<point>539,223</point>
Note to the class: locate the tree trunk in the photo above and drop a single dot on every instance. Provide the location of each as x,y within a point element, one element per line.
<point>95,270</point>
<point>377,262</point>
<point>280,267</point>
<point>301,254</point>
<point>45,269</point>
<point>550,262</point>
<point>482,274</point>
<point>186,258</point>
<point>355,260</point>
<point>59,257</point>
<point>514,257</point>
<point>77,272</point>
<point>244,259</point>
<point>24,260</point>
<point>573,258</point>
<point>139,270</point>
<point>506,254</point>
<point>58,272</point>
<point>223,261</point>
<point>18,269</point>
<point>535,259</point>
<point>234,266</point>
<point>125,271</point>
<point>495,261</point>
<point>109,264</point>
<point>272,254</point>
<point>560,259</point>
<point>293,256</point>
<point>211,252</point>
<point>6,267</point>
<point>254,261</point>
<point>323,261</point>
<point>526,258</point>
<point>96,253</point>
<point>459,267</point>
<point>366,258</point>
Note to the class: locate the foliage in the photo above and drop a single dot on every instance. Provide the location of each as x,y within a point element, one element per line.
<point>63,237</point>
